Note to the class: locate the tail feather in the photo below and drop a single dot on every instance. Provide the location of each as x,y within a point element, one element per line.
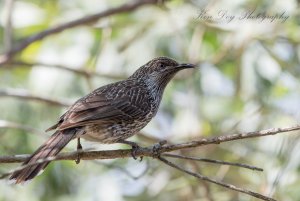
<point>50,148</point>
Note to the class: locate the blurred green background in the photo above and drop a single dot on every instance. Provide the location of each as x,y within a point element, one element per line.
<point>248,80</point>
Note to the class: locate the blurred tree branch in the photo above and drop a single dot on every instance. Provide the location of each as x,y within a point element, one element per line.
<point>86,73</point>
<point>81,72</point>
<point>157,151</point>
<point>6,57</point>
<point>204,178</point>
<point>8,28</point>
<point>24,95</point>
<point>75,70</point>
<point>13,125</point>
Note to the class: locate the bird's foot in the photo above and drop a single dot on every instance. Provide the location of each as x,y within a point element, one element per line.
<point>79,148</point>
<point>157,148</point>
<point>135,148</point>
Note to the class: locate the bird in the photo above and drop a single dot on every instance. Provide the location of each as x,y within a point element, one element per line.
<point>109,114</point>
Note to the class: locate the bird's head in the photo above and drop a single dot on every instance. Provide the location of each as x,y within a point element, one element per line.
<point>160,70</point>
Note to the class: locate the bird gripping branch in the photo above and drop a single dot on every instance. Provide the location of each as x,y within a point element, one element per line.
<point>109,114</point>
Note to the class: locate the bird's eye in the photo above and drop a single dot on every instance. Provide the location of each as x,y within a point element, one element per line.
<point>162,65</point>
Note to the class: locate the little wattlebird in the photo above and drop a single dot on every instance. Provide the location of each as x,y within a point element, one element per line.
<point>109,114</point>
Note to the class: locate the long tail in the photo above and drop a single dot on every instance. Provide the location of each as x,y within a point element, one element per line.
<point>50,148</point>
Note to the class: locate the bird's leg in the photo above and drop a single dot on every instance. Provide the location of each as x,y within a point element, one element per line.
<point>157,147</point>
<point>134,146</point>
<point>79,148</point>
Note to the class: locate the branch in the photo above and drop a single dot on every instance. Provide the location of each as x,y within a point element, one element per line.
<point>8,26</point>
<point>22,94</point>
<point>214,161</point>
<point>9,124</point>
<point>81,21</point>
<point>229,186</point>
<point>156,152</point>
<point>226,138</point>
<point>148,151</point>
<point>85,73</point>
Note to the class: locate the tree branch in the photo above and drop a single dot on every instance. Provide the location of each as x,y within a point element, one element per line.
<point>85,73</point>
<point>66,68</point>
<point>4,58</point>
<point>148,151</point>
<point>213,161</point>
<point>22,94</point>
<point>226,138</point>
<point>8,27</point>
<point>9,124</point>
<point>156,152</point>
<point>229,186</point>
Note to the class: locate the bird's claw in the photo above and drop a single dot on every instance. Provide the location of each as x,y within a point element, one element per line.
<point>157,147</point>
<point>79,149</point>
<point>135,148</point>
<point>77,161</point>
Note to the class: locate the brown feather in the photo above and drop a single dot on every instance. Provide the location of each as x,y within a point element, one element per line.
<point>50,148</point>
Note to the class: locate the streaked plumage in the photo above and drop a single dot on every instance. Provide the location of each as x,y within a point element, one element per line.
<point>109,114</point>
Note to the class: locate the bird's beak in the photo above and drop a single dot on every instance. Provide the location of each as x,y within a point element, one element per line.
<point>183,66</point>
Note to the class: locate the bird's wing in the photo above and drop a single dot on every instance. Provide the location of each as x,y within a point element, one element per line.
<point>123,101</point>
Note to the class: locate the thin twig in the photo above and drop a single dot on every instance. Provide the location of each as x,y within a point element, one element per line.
<point>78,22</point>
<point>214,161</point>
<point>229,186</point>
<point>22,94</point>
<point>226,138</point>
<point>134,37</point>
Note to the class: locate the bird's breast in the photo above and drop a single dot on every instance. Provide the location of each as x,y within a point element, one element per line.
<point>113,132</point>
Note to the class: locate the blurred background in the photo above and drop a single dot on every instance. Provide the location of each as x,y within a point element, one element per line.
<point>247,80</point>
